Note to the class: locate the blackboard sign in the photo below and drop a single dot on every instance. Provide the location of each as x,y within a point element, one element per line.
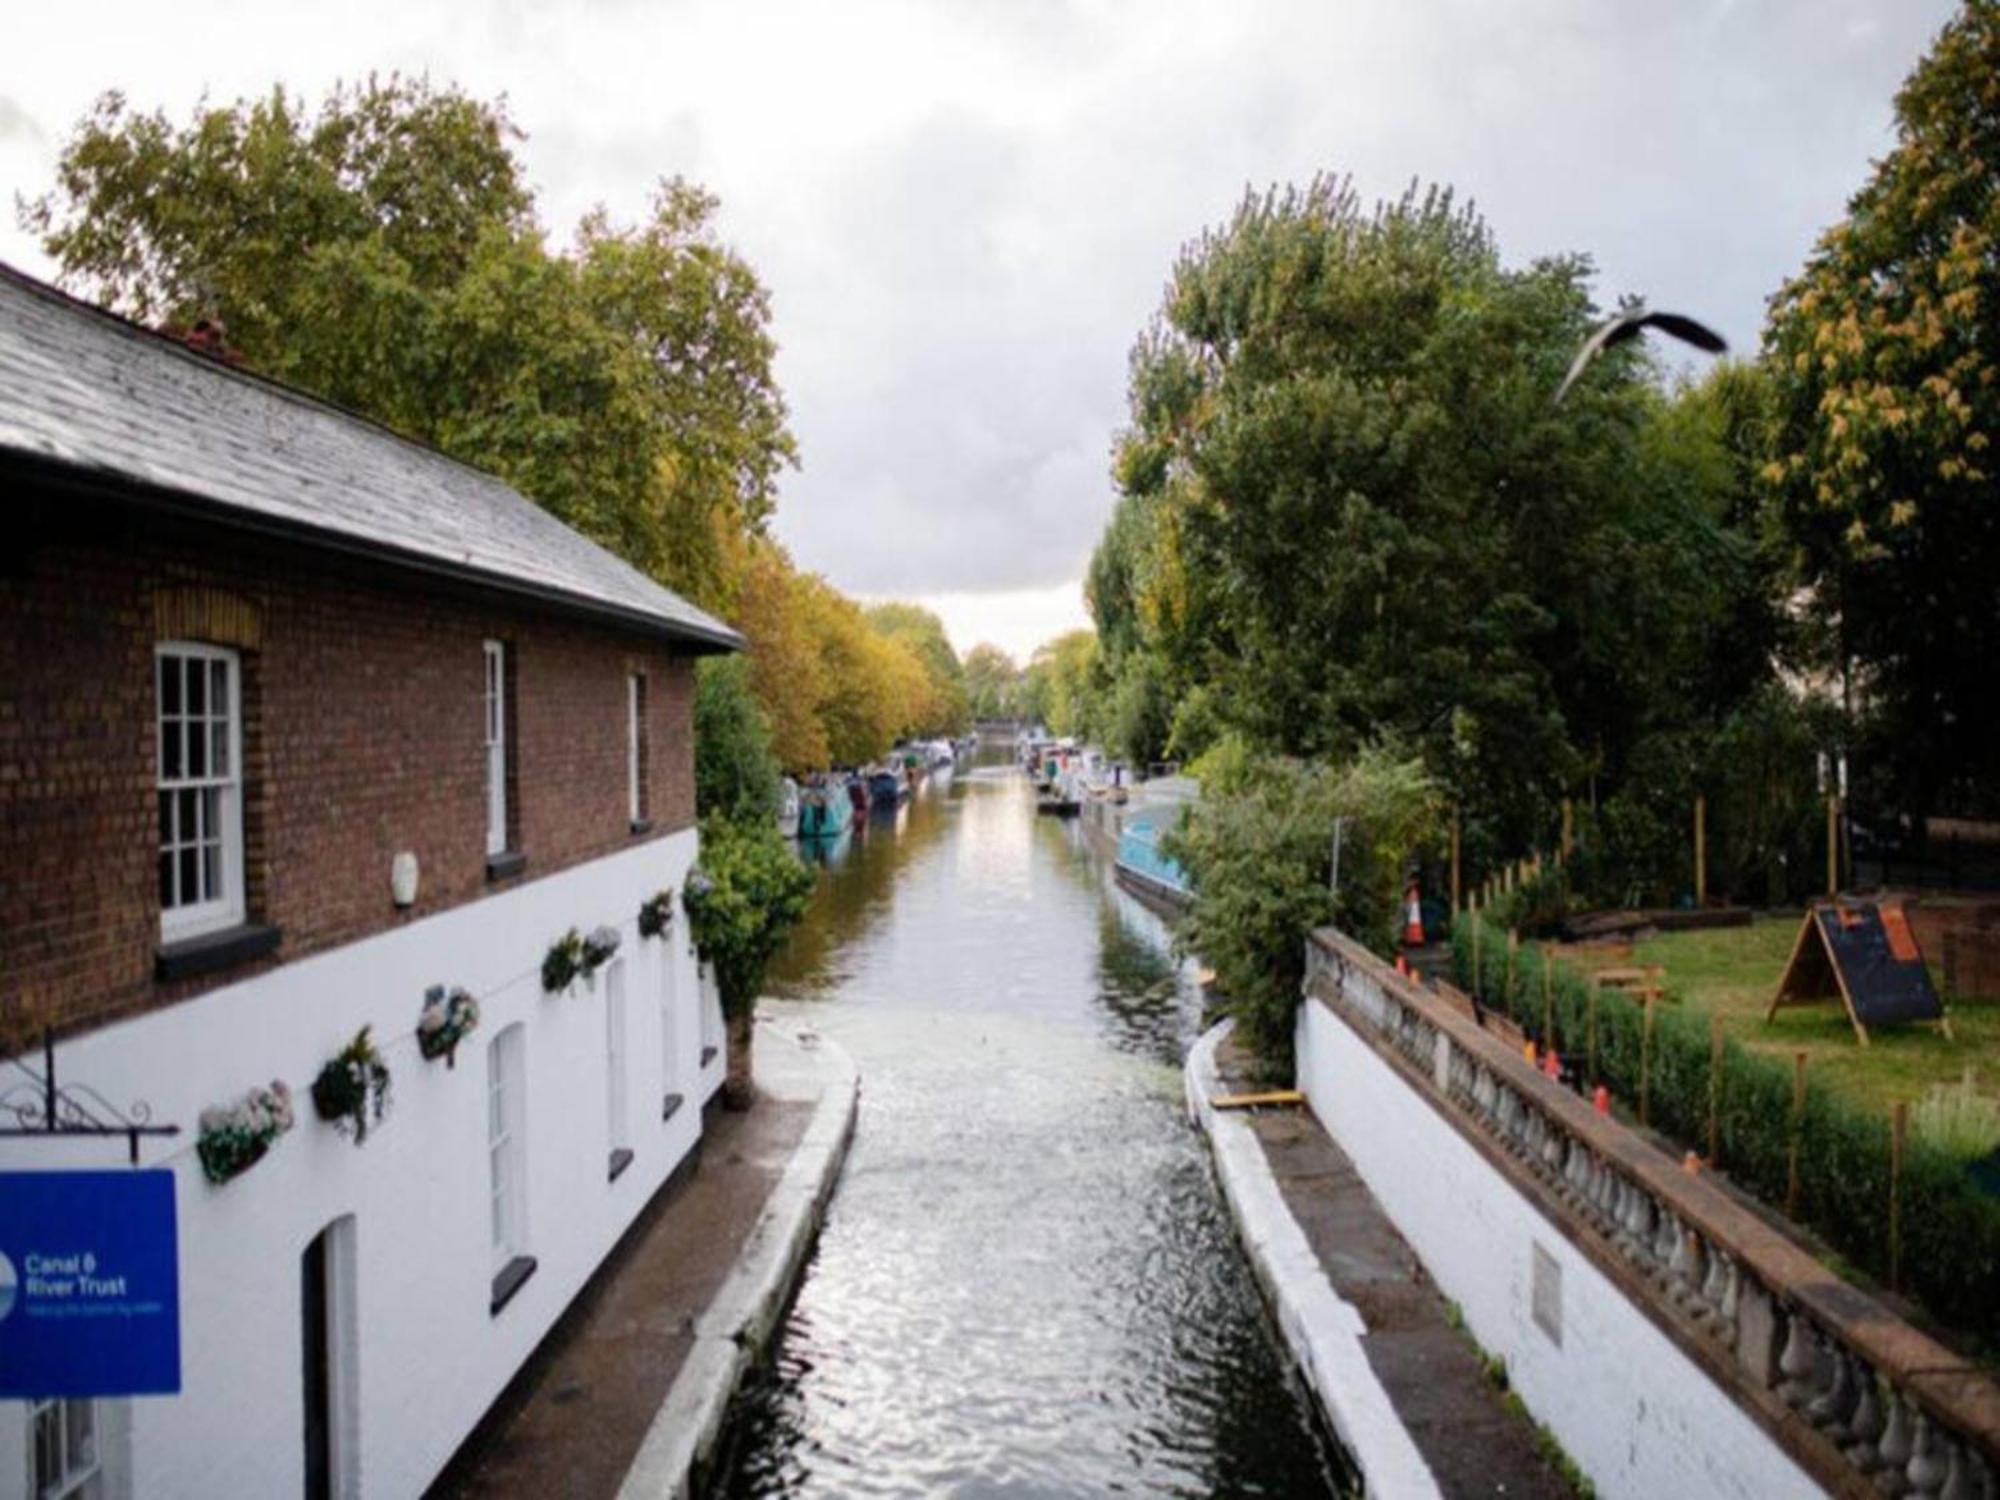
<point>1864,953</point>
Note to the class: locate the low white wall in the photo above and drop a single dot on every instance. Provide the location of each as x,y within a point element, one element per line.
<point>431,1356</point>
<point>1637,1415</point>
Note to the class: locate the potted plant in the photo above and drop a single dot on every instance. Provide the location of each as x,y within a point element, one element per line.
<point>234,1137</point>
<point>446,1020</point>
<point>562,963</point>
<point>597,950</point>
<point>656,913</point>
<point>353,1087</point>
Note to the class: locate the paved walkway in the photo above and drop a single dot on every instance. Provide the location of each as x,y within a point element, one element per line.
<point>1468,1436</point>
<point>573,1420</point>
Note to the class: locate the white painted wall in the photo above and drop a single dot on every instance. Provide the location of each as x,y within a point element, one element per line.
<point>431,1356</point>
<point>1638,1416</point>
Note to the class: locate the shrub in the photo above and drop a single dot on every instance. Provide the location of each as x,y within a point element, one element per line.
<point>1257,850</point>
<point>741,901</point>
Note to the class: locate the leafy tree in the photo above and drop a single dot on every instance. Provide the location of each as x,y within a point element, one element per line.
<point>992,682</point>
<point>735,771</point>
<point>942,708</point>
<point>1070,686</point>
<point>1258,851</point>
<point>1885,351</point>
<point>742,898</point>
<point>384,253</point>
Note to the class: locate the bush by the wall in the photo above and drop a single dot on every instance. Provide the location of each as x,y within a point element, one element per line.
<point>1950,1227</point>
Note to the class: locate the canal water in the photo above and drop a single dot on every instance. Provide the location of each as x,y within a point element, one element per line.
<point>1027,1284</point>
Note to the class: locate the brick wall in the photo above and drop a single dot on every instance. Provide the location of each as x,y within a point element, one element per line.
<point>363,732</point>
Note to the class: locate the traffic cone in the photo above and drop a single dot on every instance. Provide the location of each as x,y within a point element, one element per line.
<point>1413,924</point>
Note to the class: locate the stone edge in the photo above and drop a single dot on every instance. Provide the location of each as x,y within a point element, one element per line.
<point>1322,1331</point>
<point>744,1313</point>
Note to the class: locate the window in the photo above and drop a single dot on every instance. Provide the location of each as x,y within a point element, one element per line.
<point>496,747</point>
<point>505,1144</point>
<point>617,1130</point>
<point>635,746</point>
<point>200,786</point>
<point>65,1441</point>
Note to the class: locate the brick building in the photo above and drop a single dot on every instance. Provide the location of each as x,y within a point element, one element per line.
<point>299,720</point>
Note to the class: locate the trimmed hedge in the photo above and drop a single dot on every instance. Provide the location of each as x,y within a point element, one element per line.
<point>1950,1227</point>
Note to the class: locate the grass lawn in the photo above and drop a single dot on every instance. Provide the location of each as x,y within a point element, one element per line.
<point>1734,971</point>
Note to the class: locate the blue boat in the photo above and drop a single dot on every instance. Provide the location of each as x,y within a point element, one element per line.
<point>824,810</point>
<point>1143,869</point>
<point>887,788</point>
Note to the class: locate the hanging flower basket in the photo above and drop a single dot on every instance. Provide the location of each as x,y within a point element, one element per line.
<point>233,1138</point>
<point>563,963</point>
<point>446,1020</point>
<point>598,948</point>
<point>656,914</point>
<point>353,1088</point>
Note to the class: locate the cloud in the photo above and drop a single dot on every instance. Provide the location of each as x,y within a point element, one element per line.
<point>16,124</point>
<point>966,213</point>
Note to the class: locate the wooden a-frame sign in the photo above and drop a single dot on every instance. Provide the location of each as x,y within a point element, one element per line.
<point>1865,953</point>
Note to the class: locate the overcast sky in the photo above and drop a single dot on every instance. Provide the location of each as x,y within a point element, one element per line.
<point>965,212</point>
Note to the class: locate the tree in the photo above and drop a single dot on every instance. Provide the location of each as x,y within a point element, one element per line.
<point>742,899</point>
<point>1071,686</point>
<point>735,771</point>
<point>942,709</point>
<point>1885,351</point>
<point>384,254</point>
<point>992,682</point>
<point>1349,508</point>
<point>1258,852</point>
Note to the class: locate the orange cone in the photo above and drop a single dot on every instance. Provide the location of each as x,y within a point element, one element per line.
<point>1413,924</point>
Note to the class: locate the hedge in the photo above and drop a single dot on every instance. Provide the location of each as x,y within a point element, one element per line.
<point>1950,1226</point>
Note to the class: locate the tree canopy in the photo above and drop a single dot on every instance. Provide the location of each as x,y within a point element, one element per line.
<point>1885,354</point>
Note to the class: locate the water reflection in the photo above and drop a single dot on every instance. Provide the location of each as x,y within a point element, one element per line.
<point>1026,1285</point>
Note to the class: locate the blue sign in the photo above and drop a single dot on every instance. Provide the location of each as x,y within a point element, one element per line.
<point>89,1284</point>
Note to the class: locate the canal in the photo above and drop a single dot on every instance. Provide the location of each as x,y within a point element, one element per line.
<point>1027,1283</point>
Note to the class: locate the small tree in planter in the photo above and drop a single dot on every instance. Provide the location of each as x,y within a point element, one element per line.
<point>741,902</point>
<point>352,1087</point>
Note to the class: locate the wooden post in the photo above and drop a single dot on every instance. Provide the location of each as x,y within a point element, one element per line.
<point>1548,997</point>
<point>1798,1130</point>
<point>1899,1135</point>
<point>1714,1087</point>
<point>1454,864</point>
<point>1832,844</point>
<point>1646,1066</point>
<point>1700,851</point>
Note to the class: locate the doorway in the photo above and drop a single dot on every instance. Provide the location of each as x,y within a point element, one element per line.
<point>327,1343</point>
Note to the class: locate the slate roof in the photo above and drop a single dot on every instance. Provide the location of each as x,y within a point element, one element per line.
<point>98,395</point>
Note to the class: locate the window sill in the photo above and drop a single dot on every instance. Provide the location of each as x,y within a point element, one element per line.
<point>670,1106</point>
<point>513,1276</point>
<point>506,864</point>
<point>620,1160</point>
<point>641,825</point>
<point>213,951</point>
<point>707,1056</point>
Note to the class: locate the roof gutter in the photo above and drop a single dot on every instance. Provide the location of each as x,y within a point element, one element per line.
<point>109,484</point>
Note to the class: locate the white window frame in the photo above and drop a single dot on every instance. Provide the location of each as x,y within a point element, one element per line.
<point>69,1480</point>
<point>183,919</point>
<point>495,698</point>
<point>507,1144</point>
<point>618,1115</point>
<point>635,689</point>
